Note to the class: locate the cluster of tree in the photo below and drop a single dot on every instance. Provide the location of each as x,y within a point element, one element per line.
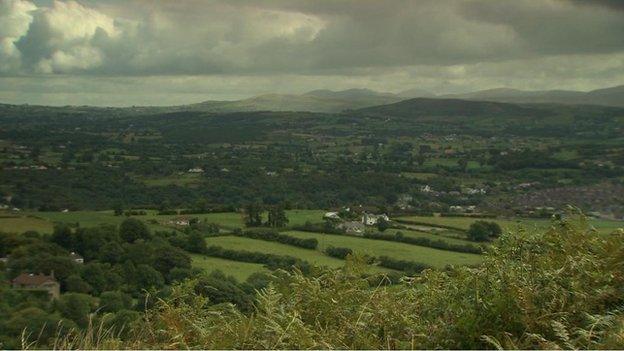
<point>270,260</point>
<point>310,243</point>
<point>420,241</point>
<point>484,231</point>
<point>326,227</point>
<point>276,215</point>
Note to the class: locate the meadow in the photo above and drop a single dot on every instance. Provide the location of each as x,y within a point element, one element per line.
<point>400,251</point>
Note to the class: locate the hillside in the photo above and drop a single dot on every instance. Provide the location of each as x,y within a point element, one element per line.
<point>313,101</point>
<point>608,97</point>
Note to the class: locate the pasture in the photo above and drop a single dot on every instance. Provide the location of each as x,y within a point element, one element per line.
<point>401,251</point>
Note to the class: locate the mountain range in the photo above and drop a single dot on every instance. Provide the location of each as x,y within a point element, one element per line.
<point>330,101</point>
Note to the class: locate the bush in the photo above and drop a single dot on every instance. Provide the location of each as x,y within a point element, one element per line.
<point>484,231</point>
<point>280,238</point>
<point>338,252</point>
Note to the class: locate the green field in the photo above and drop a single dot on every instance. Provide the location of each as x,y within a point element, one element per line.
<point>44,221</point>
<point>603,226</point>
<point>239,270</point>
<point>433,257</point>
<point>20,224</point>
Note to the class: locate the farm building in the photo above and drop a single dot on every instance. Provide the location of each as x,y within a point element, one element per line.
<point>181,221</point>
<point>29,281</point>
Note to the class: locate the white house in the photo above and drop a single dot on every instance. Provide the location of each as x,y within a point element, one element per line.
<point>195,170</point>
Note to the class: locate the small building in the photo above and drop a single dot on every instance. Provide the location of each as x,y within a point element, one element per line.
<point>76,257</point>
<point>373,219</point>
<point>181,221</point>
<point>355,228</point>
<point>41,282</point>
<point>195,170</point>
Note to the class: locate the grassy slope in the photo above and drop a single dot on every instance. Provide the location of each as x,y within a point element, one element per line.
<point>436,258</point>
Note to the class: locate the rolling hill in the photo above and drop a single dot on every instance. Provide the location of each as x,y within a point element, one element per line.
<point>613,96</point>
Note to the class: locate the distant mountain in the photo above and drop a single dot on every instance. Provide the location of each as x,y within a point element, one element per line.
<point>415,93</point>
<point>607,97</point>
<point>313,101</point>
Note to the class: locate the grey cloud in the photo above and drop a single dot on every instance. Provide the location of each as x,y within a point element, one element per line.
<point>232,49</point>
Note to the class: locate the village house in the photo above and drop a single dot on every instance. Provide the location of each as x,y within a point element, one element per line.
<point>373,219</point>
<point>195,170</point>
<point>42,282</point>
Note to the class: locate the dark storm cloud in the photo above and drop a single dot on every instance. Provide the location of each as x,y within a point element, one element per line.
<point>383,44</point>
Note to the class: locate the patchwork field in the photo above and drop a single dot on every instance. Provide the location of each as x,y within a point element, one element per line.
<point>427,227</point>
<point>433,257</point>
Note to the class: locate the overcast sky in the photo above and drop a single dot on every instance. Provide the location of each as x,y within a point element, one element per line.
<point>148,52</point>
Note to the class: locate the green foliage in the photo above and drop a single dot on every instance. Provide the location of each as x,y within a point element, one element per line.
<point>133,229</point>
<point>114,301</point>
<point>76,307</point>
<point>484,230</point>
<point>559,289</point>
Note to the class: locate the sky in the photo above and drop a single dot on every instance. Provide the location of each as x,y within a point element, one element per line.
<point>149,52</point>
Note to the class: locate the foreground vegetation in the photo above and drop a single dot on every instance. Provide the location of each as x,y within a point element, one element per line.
<point>562,288</point>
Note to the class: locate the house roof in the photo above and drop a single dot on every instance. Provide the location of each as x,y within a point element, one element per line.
<point>33,279</point>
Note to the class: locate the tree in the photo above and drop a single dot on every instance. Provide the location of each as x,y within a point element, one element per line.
<point>62,236</point>
<point>36,323</point>
<point>75,283</point>
<point>253,215</point>
<point>483,231</point>
<point>75,306</point>
<point>195,242</point>
<point>382,224</point>
<point>113,301</point>
<point>168,257</point>
<point>277,217</point>
<point>133,229</point>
